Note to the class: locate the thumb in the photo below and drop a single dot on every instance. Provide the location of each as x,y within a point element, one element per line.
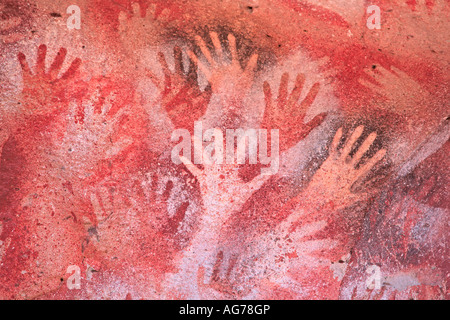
<point>314,123</point>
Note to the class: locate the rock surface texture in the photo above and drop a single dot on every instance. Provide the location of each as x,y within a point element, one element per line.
<point>233,149</point>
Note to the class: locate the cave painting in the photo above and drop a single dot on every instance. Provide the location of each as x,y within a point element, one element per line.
<point>240,149</point>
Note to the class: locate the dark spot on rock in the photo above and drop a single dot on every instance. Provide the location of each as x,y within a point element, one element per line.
<point>250,9</point>
<point>93,232</point>
<point>374,67</point>
<point>56,14</point>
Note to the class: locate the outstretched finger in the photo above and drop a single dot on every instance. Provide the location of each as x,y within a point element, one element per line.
<point>192,72</point>
<point>283,88</point>
<point>96,206</point>
<point>118,114</point>
<point>200,65</point>
<point>372,86</point>
<point>122,18</point>
<point>24,64</point>
<point>295,216</point>
<point>107,105</point>
<point>166,70</point>
<point>74,66</point>
<point>336,140</point>
<point>217,44</point>
<point>297,91</point>
<point>204,48</point>
<point>233,50</point>
<point>151,11</point>
<point>387,74</point>
<point>375,75</point>
<point>384,76</point>
<point>55,68</point>
<point>40,63</point>
<point>351,141</point>
<point>164,15</point>
<point>399,72</point>
<point>178,55</point>
<point>251,65</point>
<point>267,97</point>
<point>164,65</point>
<point>136,8</point>
<point>314,123</point>
<point>364,147</point>
<point>371,163</point>
<point>310,98</point>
